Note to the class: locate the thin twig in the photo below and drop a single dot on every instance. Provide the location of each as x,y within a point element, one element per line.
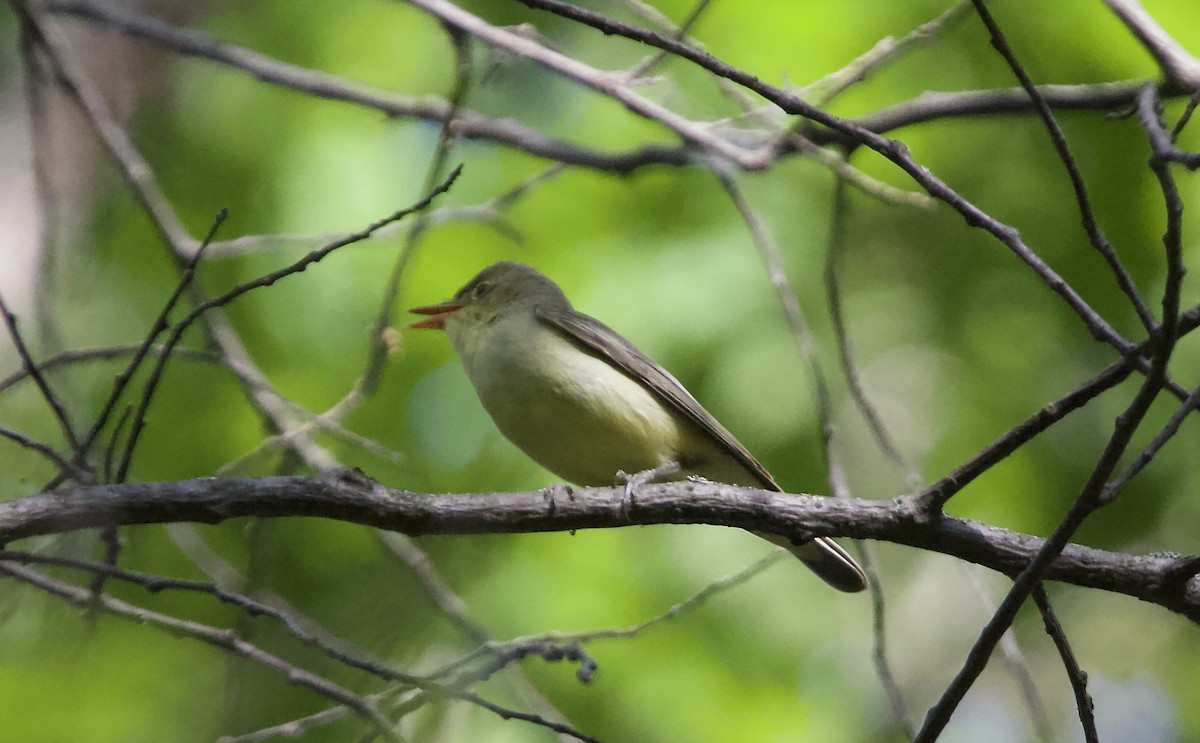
<point>866,554</point>
<point>887,51</point>
<point>263,68</point>
<point>940,105</point>
<point>1179,68</point>
<point>505,713</point>
<point>377,348</point>
<point>1161,142</point>
<point>1076,675</point>
<point>926,107</point>
<point>160,324</point>
<point>110,450</point>
<point>653,15</point>
<point>1185,117</point>
<point>31,368</point>
<point>322,422</point>
<point>65,467</point>
<point>680,32</point>
<point>837,480</point>
<point>327,422</point>
<point>936,495</point>
<point>239,290</point>
<point>455,609</point>
<point>140,177</point>
<point>401,706</point>
<point>772,261</point>
<point>1098,239</point>
<point>1090,497</point>
<point>879,650</point>
<point>894,151</point>
<point>447,601</point>
<point>841,167</point>
<point>490,212</point>
<point>220,638</point>
<point>833,263</point>
<point>249,606</point>
<point>1113,488</point>
<point>252,608</point>
<point>102,353</point>
<point>1014,659</point>
<point>110,537</point>
<point>607,84</point>
<point>559,639</point>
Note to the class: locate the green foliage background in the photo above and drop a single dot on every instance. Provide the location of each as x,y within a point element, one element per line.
<point>957,342</point>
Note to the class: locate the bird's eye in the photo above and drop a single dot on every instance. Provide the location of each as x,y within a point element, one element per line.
<point>481,289</point>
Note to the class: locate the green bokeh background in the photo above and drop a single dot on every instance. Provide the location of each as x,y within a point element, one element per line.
<point>956,339</point>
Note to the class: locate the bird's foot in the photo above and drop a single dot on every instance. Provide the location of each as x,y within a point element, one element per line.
<point>551,492</point>
<point>638,479</point>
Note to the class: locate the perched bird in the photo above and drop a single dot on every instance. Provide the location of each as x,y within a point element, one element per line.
<point>584,403</point>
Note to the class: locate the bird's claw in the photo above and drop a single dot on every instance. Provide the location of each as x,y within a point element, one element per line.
<point>635,481</point>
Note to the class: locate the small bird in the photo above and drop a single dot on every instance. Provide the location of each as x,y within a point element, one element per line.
<point>586,404</point>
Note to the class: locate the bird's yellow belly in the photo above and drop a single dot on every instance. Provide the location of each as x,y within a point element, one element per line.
<point>580,418</point>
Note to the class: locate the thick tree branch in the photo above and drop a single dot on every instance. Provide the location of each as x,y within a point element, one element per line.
<point>347,495</point>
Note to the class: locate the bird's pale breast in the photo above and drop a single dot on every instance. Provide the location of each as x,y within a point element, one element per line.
<point>568,410</point>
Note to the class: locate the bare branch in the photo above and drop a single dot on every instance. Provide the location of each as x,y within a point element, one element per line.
<point>31,368</point>
<point>65,467</point>
<point>253,608</point>
<point>1014,660</point>
<point>102,353</point>
<point>894,151</point>
<point>1094,232</point>
<point>1180,69</point>
<point>927,107</point>
<point>447,601</point>
<point>259,283</point>
<point>1078,677</point>
<point>833,292</point>
<point>346,495</point>
<point>886,51</point>
<point>159,325</point>
<point>941,491</point>
<point>220,638</point>
<point>1092,494</point>
<point>470,125</point>
<point>377,347</point>
<point>1168,431</point>
<point>140,178</point>
<point>609,84</point>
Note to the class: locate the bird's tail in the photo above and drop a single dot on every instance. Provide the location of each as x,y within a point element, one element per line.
<point>827,559</point>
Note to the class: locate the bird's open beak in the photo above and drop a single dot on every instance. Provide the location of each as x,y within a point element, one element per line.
<point>437,315</point>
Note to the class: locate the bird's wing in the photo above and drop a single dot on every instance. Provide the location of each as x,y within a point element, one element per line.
<point>597,338</point>
<point>824,556</point>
